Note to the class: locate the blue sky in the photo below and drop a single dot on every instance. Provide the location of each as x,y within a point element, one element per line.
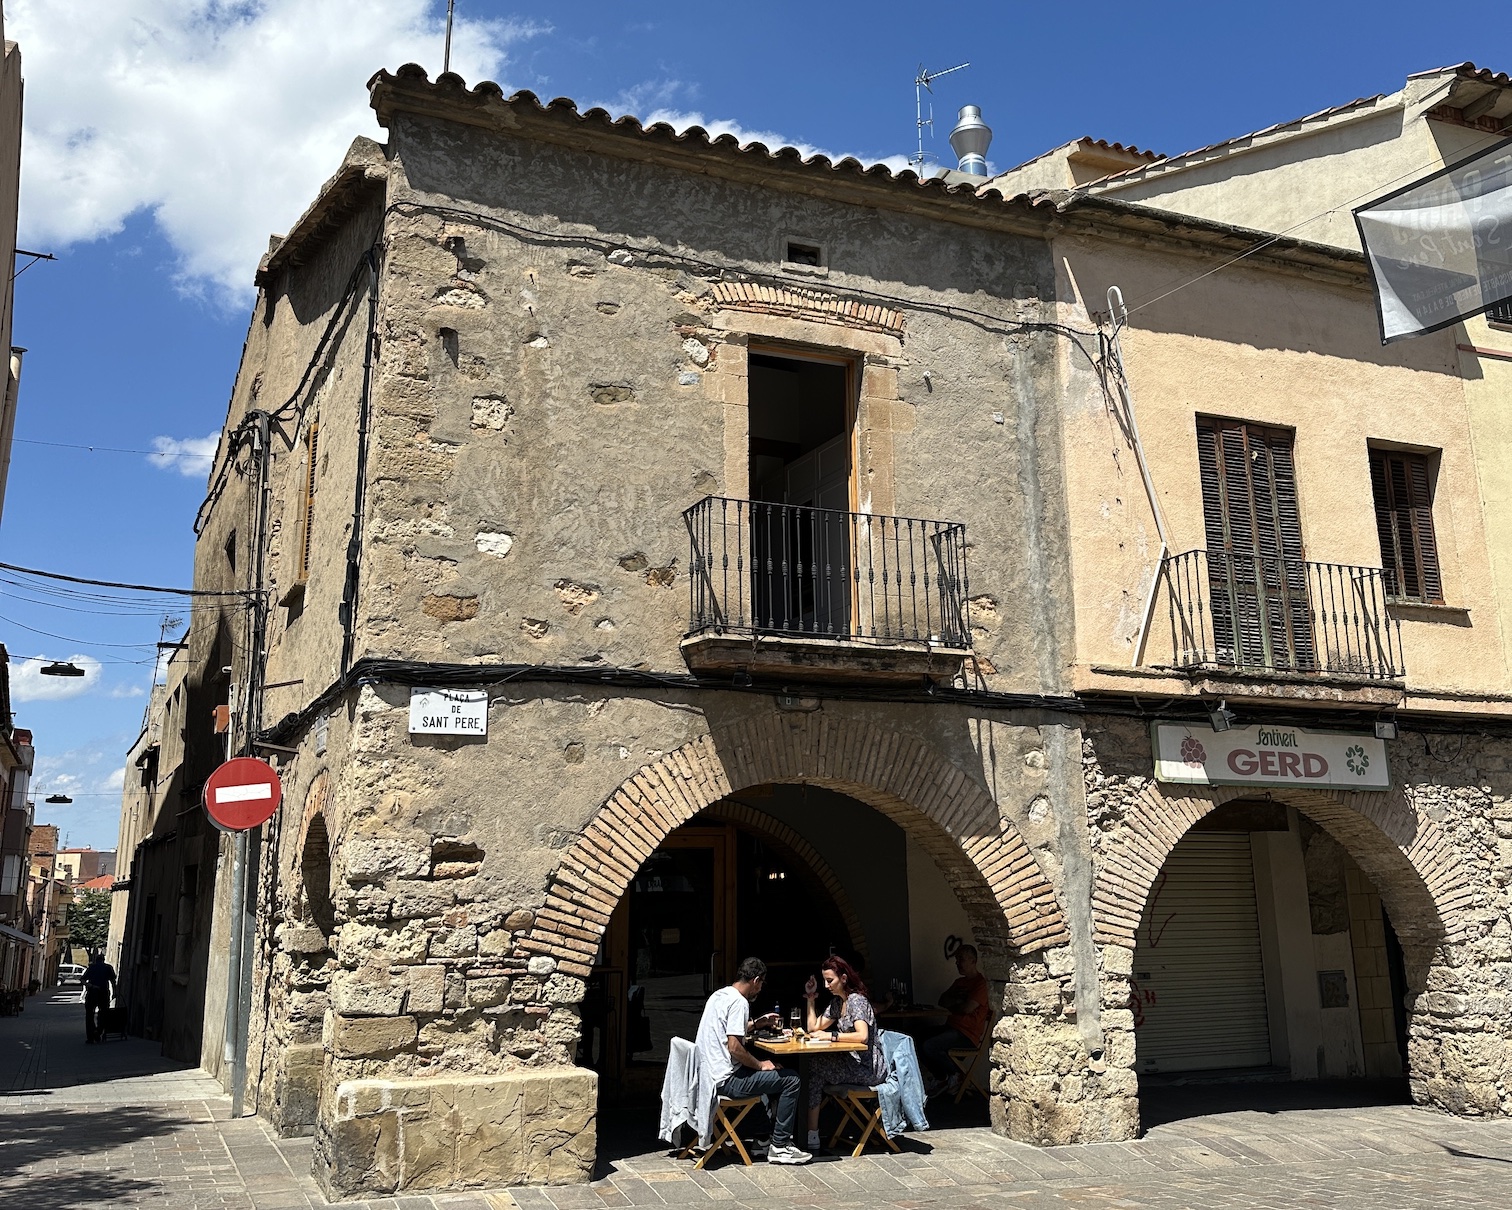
<point>167,138</point>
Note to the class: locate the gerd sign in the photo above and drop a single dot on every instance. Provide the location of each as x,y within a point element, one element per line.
<point>1268,756</point>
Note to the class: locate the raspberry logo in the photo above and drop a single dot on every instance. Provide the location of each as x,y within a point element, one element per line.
<point>1192,752</point>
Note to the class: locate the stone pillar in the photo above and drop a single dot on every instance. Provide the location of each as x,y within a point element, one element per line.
<point>1459,1039</point>
<point>1048,1085</point>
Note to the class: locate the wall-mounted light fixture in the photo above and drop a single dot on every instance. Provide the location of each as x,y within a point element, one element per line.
<point>1221,717</point>
<point>1386,727</point>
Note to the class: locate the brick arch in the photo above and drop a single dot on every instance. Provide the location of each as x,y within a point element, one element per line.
<point>1011,905</point>
<point>1421,882</point>
<point>784,837</point>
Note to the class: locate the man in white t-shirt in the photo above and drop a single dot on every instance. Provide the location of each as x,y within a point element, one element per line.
<point>736,1072</point>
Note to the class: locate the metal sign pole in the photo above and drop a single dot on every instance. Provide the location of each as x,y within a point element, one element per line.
<point>233,1050</point>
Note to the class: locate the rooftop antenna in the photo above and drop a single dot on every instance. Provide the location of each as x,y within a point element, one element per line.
<point>446,54</point>
<point>922,82</point>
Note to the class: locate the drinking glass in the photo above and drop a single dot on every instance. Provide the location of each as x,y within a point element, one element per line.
<point>795,1021</point>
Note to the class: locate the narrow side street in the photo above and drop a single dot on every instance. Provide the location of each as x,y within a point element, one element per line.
<point>114,1125</point>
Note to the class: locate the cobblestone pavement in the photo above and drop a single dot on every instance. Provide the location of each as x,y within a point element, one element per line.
<point>116,1125</point>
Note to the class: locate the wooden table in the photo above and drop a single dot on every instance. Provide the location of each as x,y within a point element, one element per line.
<point>788,1047</point>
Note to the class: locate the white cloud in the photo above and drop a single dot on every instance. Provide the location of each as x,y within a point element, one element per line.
<point>190,456</point>
<point>128,691</point>
<point>113,781</point>
<point>221,117</point>
<point>29,685</point>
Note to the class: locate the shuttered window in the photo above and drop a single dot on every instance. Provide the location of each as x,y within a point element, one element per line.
<point>1256,569</point>
<point>307,511</point>
<point>1402,484</point>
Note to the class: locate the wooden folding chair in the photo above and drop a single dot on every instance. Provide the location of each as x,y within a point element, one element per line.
<point>861,1108</point>
<point>966,1058</point>
<point>728,1115</point>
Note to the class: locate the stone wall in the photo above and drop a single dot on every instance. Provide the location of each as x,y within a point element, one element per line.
<point>1437,848</point>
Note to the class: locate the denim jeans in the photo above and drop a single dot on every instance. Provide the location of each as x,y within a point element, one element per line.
<point>933,1055</point>
<point>781,1084</point>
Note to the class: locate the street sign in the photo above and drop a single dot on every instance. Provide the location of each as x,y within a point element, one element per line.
<point>243,793</point>
<point>1269,756</point>
<point>448,712</point>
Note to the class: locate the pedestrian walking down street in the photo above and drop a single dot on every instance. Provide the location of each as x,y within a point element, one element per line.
<point>99,982</point>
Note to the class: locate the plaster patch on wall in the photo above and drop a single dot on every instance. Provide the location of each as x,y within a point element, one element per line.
<point>449,608</point>
<point>535,628</point>
<point>608,393</point>
<point>575,596</point>
<point>697,352</point>
<point>491,412</point>
<point>496,544</point>
<point>463,294</point>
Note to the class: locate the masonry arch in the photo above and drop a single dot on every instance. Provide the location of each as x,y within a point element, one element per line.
<point>1400,856</point>
<point>1006,895</point>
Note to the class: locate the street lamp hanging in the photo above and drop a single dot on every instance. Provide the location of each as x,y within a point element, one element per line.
<point>61,668</point>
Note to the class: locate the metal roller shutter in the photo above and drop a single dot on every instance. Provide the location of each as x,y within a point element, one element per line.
<point>1197,966</point>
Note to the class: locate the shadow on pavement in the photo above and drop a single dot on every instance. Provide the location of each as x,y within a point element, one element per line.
<point>43,1048</point>
<point>628,1131</point>
<point>1172,1100</point>
<point>46,1136</point>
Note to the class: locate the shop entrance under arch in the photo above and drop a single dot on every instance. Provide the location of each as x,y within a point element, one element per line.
<point>1266,972</point>
<point>787,873</point>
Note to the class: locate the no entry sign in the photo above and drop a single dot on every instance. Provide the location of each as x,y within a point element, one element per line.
<point>243,793</point>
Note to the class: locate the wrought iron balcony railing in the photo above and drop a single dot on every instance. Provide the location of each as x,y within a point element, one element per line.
<point>784,569</point>
<point>1263,613</point>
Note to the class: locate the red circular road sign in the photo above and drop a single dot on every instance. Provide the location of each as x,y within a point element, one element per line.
<point>243,793</point>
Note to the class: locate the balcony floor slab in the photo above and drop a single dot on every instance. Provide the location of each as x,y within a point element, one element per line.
<point>803,658</point>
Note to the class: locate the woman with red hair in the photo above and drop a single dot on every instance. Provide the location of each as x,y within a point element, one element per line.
<point>851,1018</point>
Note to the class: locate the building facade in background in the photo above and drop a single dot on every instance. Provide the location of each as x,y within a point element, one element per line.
<point>681,551</point>
<point>159,933</point>
<point>83,865</point>
<point>11,91</point>
<point>18,939</point>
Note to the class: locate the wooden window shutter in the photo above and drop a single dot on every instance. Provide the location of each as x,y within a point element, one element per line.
<point>307,521</point>
<point>1256,567</point>
<point>1402,489</point>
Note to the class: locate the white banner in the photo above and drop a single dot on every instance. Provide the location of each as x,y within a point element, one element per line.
<point>1268,756</point>
<point>1440,249</point>
<point>448,712</point>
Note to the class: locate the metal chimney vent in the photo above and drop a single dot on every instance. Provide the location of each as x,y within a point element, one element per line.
<point>970,140</point>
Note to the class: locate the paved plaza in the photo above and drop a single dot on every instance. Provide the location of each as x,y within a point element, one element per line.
<point>114,1125</point>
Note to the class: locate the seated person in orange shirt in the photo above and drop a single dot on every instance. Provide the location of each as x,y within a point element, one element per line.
<point>966,1000</point>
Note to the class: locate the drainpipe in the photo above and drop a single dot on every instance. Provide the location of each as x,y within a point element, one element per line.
<point>1120,315</point>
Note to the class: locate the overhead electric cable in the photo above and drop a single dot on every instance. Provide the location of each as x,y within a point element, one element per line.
<point>113,449</point>
<point>184,592</point>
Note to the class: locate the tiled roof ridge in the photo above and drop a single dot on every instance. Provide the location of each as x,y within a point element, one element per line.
<point>455,88</point>
<point>1467,71</point>
<point>1275,128</point>
<point>1124,148</point>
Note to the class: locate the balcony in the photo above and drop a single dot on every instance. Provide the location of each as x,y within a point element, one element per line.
<point>1259,616</point>
<point>787,591</point>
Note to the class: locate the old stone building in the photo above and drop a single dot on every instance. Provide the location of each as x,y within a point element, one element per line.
<point>670,550</point>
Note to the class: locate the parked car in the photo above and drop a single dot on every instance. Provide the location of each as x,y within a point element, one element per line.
<point>70,972</point>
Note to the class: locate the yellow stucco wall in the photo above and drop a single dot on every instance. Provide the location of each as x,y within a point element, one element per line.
<point>1282,349</point>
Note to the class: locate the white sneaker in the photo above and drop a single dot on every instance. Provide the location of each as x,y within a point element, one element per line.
<point>787,1155</point>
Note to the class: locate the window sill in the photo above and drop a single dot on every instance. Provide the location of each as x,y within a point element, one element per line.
<point>1435,611</point>
<point>794,267</point>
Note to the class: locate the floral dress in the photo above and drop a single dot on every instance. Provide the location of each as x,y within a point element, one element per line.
<point>857,1067</point>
